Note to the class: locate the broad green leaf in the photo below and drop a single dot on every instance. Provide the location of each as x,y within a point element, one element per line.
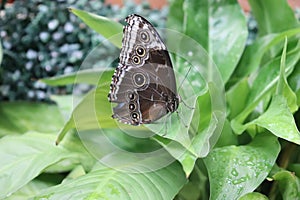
<point>253,54</point>
<point>185,157</point>
<point>20,117</point>
<point>282,87</point>
<point>109,28</point>
<point>254,196</point>
<point>108,183</point>
<point>30,190</point>
<point>289,184</point>
<point>176,15</point>
<point>65,104</point>
<point>264,82</point>
<point>237,170</point>
<point>237,97</point>
<point>124,149</point>
<point>196,188</point>
<point>273,17</point>
<point>88,76</point>
<point>279,120</point>
<point>24,157</point>
<point>201,143</point>
<point>75,173</point>
<point>93,112</point>
<point>227,137</point>
<point>222,25</point>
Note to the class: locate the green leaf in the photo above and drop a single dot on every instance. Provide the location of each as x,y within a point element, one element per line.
<point>264,83</point>
<point>273,17</point>
<point>237,170</point>
<point>294,82</point>
<point>279,120</point>
<point>253,54</point>
<point>94,111</point>
<point>196,188</point>
<point>222,25</point>
<point>289,184</point>
<point>65,104</point>
<point>20,117</point>
<point>109,28</point>
<point>89,76</point>
<point>295,168</point>
<point>25,157</point>
<point>238,93</point>
<point>108,183</point>
<point>227,137</point>
<point>282,87</point>
<point>185,157</point>
<point>30,190</point>
<point>254,196</point>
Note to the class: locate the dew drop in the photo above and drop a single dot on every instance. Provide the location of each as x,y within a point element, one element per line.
<point>234,172</point>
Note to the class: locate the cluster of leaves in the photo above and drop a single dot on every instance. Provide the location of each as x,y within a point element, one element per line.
<point>42,39</point>
<point>256,155</point>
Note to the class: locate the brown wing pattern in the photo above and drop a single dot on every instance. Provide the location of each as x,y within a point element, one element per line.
<point>143,85</point>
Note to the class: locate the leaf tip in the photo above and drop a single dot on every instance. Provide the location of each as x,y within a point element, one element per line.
<point>70,9</point>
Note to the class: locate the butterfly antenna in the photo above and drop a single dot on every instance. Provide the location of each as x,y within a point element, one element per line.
<point>180,86</point>
<point>185,77</point>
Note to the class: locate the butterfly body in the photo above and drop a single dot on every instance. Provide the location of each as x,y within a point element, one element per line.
<point>143,85</point>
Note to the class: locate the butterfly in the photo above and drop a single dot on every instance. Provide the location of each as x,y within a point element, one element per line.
<point>143,85</point>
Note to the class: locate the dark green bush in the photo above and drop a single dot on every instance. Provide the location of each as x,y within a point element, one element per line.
<point>42,39</point>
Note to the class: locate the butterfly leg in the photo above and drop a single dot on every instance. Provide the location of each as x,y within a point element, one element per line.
<point>189,107</point>
<point>181,119</point>
<point>165,126</point>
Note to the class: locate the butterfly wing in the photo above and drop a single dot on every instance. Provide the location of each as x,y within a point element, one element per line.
<point>143,85</point>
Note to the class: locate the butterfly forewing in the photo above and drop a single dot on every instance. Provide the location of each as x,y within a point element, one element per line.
<point>143,85</point>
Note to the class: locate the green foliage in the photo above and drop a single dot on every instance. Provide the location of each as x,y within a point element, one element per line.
<point>250,152</point>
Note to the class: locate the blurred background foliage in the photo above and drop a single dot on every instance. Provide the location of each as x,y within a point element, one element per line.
<point>42,39</point>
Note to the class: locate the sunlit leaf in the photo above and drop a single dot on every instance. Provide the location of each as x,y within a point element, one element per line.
<point>253,54</point>
<point>29,190</point>
<point>237,170</point>
<point>88,76</point>
<point>161,184</point>
<point>264,83</point>
<point>273,17</point>
<point>219,26</point>
<point>110,29</point>
<point>20,117</point>
<point>25,157</point>
<point>279,120</point>
<point>282,87</point>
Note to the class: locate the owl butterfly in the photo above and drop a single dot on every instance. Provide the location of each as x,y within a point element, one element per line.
<point>143,85</point>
